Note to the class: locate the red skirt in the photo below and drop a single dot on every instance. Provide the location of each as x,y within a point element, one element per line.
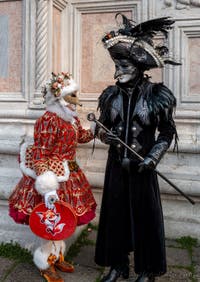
<point>76,191</point>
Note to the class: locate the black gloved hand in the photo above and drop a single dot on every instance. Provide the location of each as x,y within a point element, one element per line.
<point>154,156</point>
<point>147,163</point>
<point>111,138</point>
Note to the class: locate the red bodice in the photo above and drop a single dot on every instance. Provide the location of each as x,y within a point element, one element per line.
<point>56,140</point>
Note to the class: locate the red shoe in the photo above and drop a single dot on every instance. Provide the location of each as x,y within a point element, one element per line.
<point>51,275</point>
<point>63,265</point>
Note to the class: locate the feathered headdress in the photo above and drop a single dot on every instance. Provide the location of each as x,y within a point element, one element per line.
<point>58,86</point>
<point>135,42</point>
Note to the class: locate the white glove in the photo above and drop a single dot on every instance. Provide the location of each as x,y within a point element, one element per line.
<point>50,198</point>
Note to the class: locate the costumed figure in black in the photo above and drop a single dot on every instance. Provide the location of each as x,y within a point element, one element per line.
<point>134,109</point>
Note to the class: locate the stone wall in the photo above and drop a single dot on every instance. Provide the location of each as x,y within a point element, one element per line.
<point>44,35</point>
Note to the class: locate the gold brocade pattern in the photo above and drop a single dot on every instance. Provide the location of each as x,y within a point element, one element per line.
<point>54,148</point>
<point>76,191</point>
<point>56,166</point>
<point>73,166</point>
<point>29,157</point>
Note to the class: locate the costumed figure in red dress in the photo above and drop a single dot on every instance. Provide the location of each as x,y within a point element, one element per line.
<point>50,170</point>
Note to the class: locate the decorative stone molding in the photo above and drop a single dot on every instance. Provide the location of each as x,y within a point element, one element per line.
<point>186,38</point>
<point>182,4</point>
<point>43,46</point>
<point>81,9</point>
<point>41,65</point>
<point>41,42</point>
<point>60,4</point>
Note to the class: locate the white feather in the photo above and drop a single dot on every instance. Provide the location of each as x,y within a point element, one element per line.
<point>41,254</point>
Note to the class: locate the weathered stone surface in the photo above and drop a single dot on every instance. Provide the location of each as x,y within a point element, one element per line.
<point>196,261</point>
<point>82,274</point>
<point>5,264</point>
<point>92,236</point>
<point>197,272</point>
<point>171,243</point>
<point>24,272</point>
<point>179,257</point>
<point>175,275</point>
<point>196,256</point>
<point>86,257</point>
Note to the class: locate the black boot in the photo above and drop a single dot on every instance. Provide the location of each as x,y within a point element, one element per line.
<point>115,273</point>
<point>112,276</point>
<point>145,277</point>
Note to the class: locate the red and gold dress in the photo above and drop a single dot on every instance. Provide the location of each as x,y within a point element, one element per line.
<point>54,149</point>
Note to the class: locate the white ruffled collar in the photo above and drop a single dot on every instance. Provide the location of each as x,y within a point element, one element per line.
<point>62,111</point>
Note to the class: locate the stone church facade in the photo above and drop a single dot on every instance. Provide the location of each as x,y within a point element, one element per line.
<point>41,36</point>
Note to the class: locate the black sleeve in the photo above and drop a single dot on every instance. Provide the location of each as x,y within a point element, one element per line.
<point>166,127</point>
<point>163,104</point>
<point>105,105</point>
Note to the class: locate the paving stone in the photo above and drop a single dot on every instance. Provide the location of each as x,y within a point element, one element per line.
<point>197,272</point>
<point>5,264</point>
<point>175,275</point>
<point>92,235</point>
<point>86,257</point>
<point>177,257</point>
<point>24,272</point>
<point>82,274</point>
<point>196,260</point>
<point>196,255</point>
<point>171,243</point>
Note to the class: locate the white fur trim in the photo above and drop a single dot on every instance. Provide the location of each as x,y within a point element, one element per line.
<point>69,89</point>
<point>60,246</point>
<point>50,99</point>
<point>46,182</point>
<point>40,258</point>
<point>63,103</point>
<point>41,254</point>
<point>59,108</point>
<point>26,170</point>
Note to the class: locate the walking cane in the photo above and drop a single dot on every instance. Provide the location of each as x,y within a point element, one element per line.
<point>91,117</point>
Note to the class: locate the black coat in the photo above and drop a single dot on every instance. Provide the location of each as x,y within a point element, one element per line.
<point>131,216</point>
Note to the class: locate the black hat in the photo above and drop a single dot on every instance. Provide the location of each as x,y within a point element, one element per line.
<point>136,42</point>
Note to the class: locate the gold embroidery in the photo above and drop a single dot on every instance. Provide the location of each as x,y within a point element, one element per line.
<point>73,166</point>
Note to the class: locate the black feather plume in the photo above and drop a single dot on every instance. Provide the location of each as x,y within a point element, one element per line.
<point>146,29</point>
<point>171,62</point>
<point>125,21</point>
